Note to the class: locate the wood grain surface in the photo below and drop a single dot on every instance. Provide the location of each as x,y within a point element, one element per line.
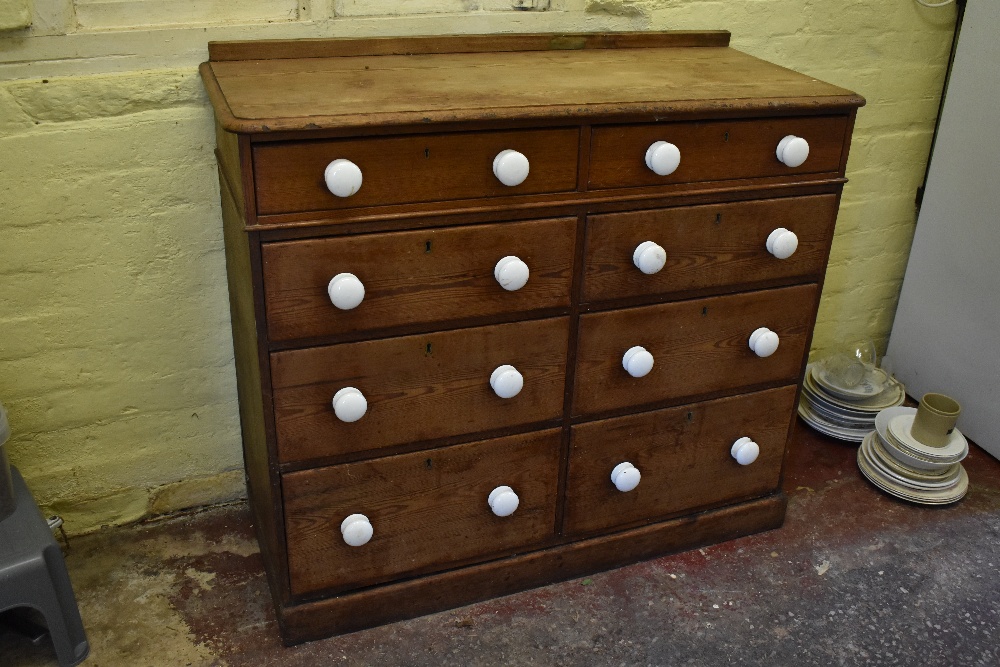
<point>496,43</point>
<point>713,151</point>
<point>698,346</point>
<point>365,91</point>
<point>408,169</point>
<point>683,455</point>
<point>430,275</point>
<point>706,246</point>
<point>254,396</point>
<point>436,592</point>
<point>418,388</point>
<point>428,510</point>
<point>339,222</point>
<point>228,155</point>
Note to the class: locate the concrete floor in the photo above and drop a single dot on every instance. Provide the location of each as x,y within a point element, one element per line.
<point>854,577</point>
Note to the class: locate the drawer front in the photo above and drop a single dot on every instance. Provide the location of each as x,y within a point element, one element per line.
<point>415,277</point>
<point>683,456</point>
<point>706,246</point>
<point>427,510</point>
<point>409,169</point>
<point>417,388</point>
<point>713,151</point>
<point>698,347</point>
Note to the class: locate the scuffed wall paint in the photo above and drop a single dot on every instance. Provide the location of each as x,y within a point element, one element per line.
<point>114,324</point>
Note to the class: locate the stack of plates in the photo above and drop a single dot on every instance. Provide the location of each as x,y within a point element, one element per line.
<point>902,466</point>
<point>847,413</point>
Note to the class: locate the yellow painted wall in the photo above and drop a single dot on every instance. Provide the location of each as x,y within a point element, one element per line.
<point>116,363</point>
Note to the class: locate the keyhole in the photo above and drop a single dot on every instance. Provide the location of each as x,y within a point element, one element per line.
<point>429,463</point>
<point>690,416</point>
<point>725,137</point>
<point>718,218</point>
<point>427,152</point>
<point>704,311</point>
<point>428,350</point>
<point>427,246</point>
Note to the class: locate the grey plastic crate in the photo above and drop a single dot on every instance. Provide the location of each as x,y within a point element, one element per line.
<point>33,574</point>
<point>8,499</point>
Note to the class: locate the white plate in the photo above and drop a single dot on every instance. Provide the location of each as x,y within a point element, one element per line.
<point>894,395</point>
<point>908,459</point>
<point>840,418</point>
<point>883,418</point>
<point>863,429</point>
<point>848,435</point>
<point>825,406</point>
<point>886,454</point>
<point>958,446</point>
<point>875,382</point>
<point>937,497</point>
<point>919,499</point>
<point>899,450</point>
<point>918,483</point>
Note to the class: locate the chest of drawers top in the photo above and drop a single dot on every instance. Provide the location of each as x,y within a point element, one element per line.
<point>271,87</point>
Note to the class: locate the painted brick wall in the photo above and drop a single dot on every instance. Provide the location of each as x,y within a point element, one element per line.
<point>114,327</point>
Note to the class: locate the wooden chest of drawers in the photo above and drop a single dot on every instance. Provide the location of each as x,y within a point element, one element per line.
<point>511,309</point>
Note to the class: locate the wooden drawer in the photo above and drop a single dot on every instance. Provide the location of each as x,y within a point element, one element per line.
<point>706,246</point>
<point>418,388</point>
<point>428,510</point>
<point>414,277</point>
<point>410,169</point>
<point>713,151</point>
<point>683,456</point>
<point>698,346</point>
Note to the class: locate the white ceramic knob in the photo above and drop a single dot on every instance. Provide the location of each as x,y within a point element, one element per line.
<point>745,451</point>
<point>625,477</point>
<point>649,257</point>
<point>637,361</point>
<point>792,151</point>
<point>350,404</point>
<point>345,291</point>
<point>511,272</point>
<point>782,243</point>
<point>343,177</point>
<point>510,167</point>
<point>763,342</point>
<point>503,501</point>
<point>506,381</point>
<point>356,529</point>
<point>663,158</point>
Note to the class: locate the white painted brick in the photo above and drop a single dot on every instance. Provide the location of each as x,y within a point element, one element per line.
<point>409,7</point>
<point>85,98</point>
<point>119,14</point>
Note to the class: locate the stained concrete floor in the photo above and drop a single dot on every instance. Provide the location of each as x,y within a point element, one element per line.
<point>854,577</point>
